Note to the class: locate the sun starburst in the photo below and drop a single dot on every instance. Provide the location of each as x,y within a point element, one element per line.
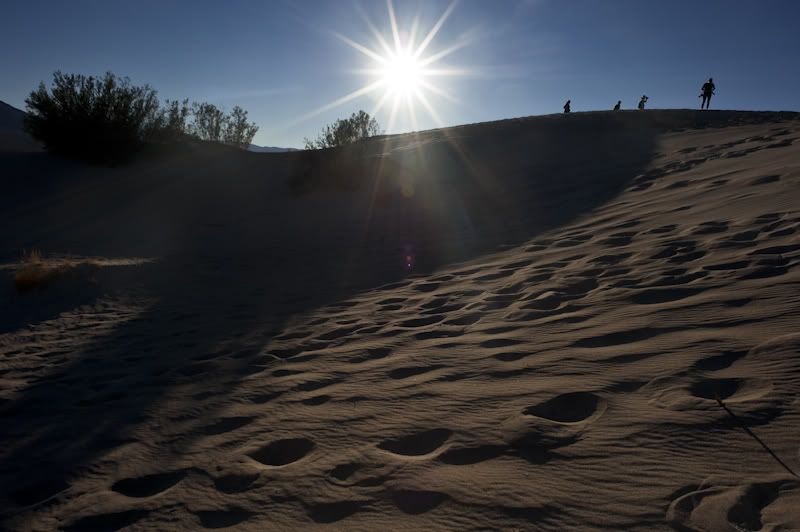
<point>401,69</point>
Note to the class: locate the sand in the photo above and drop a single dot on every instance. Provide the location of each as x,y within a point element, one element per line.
<point>533,324</point>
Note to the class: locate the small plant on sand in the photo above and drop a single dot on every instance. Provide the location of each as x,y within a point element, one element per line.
<point>33,271</point>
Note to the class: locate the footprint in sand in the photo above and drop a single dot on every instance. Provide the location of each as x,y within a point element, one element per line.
<point>773,505</point>
<point>412,371</point>
<point>499,342</point>
<point>227,425</point>
<point>148,485</point>
<point>676,394</point>
<point>422,322</point>
<point>467,319</point>
<point>472,455</point>
<point>415,502</point>
<point>344,471</point>
<point>283,452</point>
<point>223,518</point>
<point>112,521</point>
<point>331,512</point>
<point>764,272</point>
<point>663,229</point>
<point>235,483</point>
<point>573,407</point>
<point>730,390</point>
<point>709,228</point>
<point>417,444</point>
<point>371,354</point>
<point>554,423</point>
<point>494,276</point>
<point>311,386</point>
<point>764,180</point>
<point>618,239</point>
<point>719,362</point>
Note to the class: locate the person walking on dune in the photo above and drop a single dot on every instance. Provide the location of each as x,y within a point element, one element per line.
<point>618,106</point>
<point>707,91</point>
<point>642,102</point>
<point>566,106</point>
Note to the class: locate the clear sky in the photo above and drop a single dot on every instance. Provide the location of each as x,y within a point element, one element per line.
<point>283,61</point>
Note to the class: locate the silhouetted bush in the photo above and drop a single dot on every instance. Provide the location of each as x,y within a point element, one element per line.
<point>345,131</point>
<point>208,122</point>
<point>95,119</point>
<point>173,121</point>
<point>108,119</point>
<point>238,131</point>
<point>212,124</point>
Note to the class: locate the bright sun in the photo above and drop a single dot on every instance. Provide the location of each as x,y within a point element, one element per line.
<point>402,70</point>
<point>402,74</point>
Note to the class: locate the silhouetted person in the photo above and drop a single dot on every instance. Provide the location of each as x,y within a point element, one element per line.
<point>642,102</point>
<point>566,106</point>
<point>618,106</point>
<point>707,92</point>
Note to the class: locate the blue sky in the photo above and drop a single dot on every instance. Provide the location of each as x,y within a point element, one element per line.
<point>282,60</point>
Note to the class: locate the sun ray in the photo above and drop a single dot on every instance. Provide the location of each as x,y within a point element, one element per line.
<point>353,95</point>
<point>441,92</point>
<point>375,33</point>
<point>435,29</point>
<point>363,49</point>
<point>393,114</point>
<point>412,111</point>
<point>412,36</point>
<point>444,53</point>
<point>378,106</point>
<point>395,30</point>
<point>429,108</point>
<point>428,72</point>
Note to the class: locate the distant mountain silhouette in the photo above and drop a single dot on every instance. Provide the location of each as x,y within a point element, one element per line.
<point>13,136</point>
<point>269,149</point>
<point>10,117</point>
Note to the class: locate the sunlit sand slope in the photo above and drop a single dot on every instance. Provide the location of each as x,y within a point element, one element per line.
<point>542,324</point>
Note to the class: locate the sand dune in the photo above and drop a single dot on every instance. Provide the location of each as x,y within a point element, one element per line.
<point>533,324</point>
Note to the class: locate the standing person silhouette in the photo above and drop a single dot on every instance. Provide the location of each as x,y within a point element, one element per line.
<point>642,102</point>
<point>707,91</point>
<point>566,106</point>
<point>618,106</point>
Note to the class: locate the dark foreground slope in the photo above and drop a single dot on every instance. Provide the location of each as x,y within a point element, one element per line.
<point>306,349</point>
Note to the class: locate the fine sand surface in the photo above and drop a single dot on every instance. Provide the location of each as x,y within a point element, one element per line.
<point>552,323</point>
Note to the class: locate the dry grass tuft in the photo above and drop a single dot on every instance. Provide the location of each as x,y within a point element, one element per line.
<point>35,271</point>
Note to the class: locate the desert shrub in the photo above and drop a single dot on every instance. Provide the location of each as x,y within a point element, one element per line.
<point>208,121</point>
<point>108,119</point>
<point>212,124</point>
<point>345,131</point>
<point>238,131</point>
<point>95,119</point>
<point>173,121</point>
